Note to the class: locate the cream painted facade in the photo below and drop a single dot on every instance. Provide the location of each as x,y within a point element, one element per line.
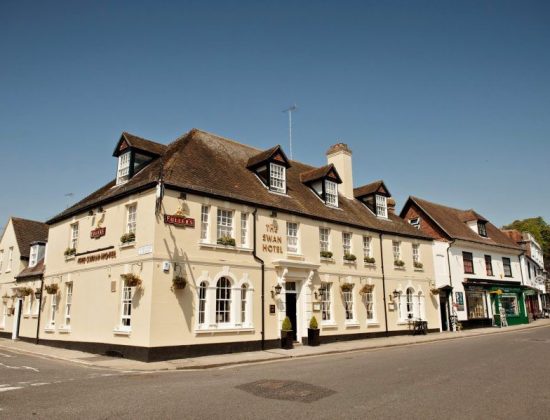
<point>164,323</point>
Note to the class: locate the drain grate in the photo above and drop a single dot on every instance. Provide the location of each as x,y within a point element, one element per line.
<point>286,390</point>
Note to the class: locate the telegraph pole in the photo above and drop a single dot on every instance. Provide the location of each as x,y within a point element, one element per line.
<point>290,110</point>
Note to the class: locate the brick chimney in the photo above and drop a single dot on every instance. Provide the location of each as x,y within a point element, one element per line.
<point>391,205</point>
<point>339,155</point>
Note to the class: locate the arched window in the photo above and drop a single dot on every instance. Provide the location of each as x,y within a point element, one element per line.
<point>410,306</point>
<point>202,303</point>
<point>244,290</point>
<point>223,301</point>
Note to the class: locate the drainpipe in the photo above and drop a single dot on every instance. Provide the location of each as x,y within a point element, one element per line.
<point>262,264</point>
<point>451,285</point>
<point>39,310</point>
<point>383,285</point>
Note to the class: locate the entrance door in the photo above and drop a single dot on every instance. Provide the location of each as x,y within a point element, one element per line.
<point>290,296</point>
<point>444,310</point>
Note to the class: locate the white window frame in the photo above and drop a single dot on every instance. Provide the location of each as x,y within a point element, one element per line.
<point>224,301</point>
<point>409,303</point>
<point>202,304</point>
<point>371,313</point>
<point>33,257</point>
<point>277,178</point>
<point>331,193</point>
<point>225,223</point>
<point>415,222</point>
<point>244,230</point>
<point>324,239</point>
<point>53,310</point>
<point>346,242</point>
<point>381,206</point>
<point>349,300</point>
<point>10,259</point>
<point>73,241</point>
<point>68,304</point>
<point>292,238</point>
<point>244,305</point>
<point>123,168</point>
<point>396,247</point>
<point>326,303</point>
<point>367,246</point>
<point>126,297</point>
<point>416,253</point>
<point>131,218</point>
<point>205,215</point>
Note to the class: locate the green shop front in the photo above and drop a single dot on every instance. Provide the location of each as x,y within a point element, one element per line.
<point>489,301</point>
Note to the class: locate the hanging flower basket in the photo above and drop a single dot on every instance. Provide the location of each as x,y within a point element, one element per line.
<point>52,289</point>
<point>25,291</point>
<point>434,291</point>
<point>131,280</point>
<point>367,288</point>
<point>179,282</point>
<point>346,287</point>
<point>5,298</point>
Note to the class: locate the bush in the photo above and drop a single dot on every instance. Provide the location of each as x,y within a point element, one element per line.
<point>131,280</point>
<point>313,323</point>
<point>326,254</point>
<point>287,325</point>
<point>369,260</point>
<point>52,289</point>
<point>226,240</point>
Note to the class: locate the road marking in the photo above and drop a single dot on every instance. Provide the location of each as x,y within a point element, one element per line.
<point>19,367</point>
<point>10,388</point>
<point>30,368</point>
<point>5,355</point>
<point>40,383</point>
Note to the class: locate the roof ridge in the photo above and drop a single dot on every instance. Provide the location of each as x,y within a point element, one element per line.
<point>26,220</point>
<point>198,130</point>
<point>437,204</point>
<point>143,138</point>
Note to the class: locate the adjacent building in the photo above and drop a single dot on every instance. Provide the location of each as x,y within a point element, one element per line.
<point>22,251</point>
<point>477,267</point>
<point>205,245</point>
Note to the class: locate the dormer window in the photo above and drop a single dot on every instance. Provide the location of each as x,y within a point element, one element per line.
<point>277,178</point>
<point>331,193</point>
<point>37,253</point>
<point>482,229</point>
<point>381,206</point>
<point>123,173</point>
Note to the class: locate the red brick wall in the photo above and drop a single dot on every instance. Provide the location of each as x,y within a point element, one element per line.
<point>426,224</point>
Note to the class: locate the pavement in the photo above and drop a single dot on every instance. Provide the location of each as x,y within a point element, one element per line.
<point>214,361</point>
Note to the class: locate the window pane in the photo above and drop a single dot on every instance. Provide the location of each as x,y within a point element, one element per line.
<point>277,176</point>
<point>292,237</point>
<point>225,223</point>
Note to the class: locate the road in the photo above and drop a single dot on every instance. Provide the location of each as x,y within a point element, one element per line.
<point>499,376</point>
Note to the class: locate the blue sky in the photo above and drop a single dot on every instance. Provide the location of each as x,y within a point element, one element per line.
<point>448,101</point>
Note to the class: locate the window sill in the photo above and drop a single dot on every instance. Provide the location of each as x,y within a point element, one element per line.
<point>127,245</point>
<point>49,329</point>
<point>327,260</point>
<point>124,332</point>
<point>222,330</point>
<point>352,324</point>
<point>373,324</point>
<point>26,316</point>
<point>226,247</point>
<point>34,315</point>
<point>329,325</point>
<point>350,262</point>
<point>69,258</point>
<point>64,330</point>
<point>419,270</point>
<point>295,256</point>
<point>369,265</point>
<point>395,267</point>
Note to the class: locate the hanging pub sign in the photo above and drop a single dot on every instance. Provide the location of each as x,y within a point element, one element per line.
<point>178,220</point>
<point>98,232</point>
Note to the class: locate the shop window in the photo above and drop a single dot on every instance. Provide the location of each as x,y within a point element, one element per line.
<point>326,309</point>
<point>468,261</point>
<point>476,304</point>
<point>507,267</point>
<point>510,304</point>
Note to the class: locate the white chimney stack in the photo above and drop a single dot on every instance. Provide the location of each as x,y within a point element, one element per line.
<point>340,156</point>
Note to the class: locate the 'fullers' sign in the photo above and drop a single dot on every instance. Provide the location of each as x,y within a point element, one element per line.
<point>179,220</point>
<point>98,232</point>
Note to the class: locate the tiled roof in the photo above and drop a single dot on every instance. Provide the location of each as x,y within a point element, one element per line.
<point>28,231</point>
<point>36,271</point>
<point>318,173</point>
<point>144,144</point>
<point>205,163</point>
<point>453,222</point>
<point>368,189</point>
<point>263,156</point>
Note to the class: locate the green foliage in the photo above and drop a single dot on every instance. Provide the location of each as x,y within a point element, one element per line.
<point>537,227</point>
<point>313,323</point>
<point>287,325</point>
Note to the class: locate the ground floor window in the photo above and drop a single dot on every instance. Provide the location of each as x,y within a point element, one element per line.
<point>510,304</point>
<point>325,302</point>
<point>348,304</point>
<point>53,309</point>
<point>223,301</point>
<point>126,306</point>
<point>476,304</point>
<point>4,315</point>
<point>369,304</point>
<point>202,303</point>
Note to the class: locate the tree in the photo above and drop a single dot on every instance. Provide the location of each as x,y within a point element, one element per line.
<point>539,229</point>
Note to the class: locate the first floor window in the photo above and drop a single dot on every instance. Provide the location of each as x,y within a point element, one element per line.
<point>205,210</point>
<point>126,315</point>
<point>223,301</point>
<point>53,309</point>
<point>324,234</point>
<point>68,303</point>
<point>396,246</point>
<point>468,260</point>
<point>367,251</point>
<point>202,303</point>
<point>292,237</point>
<point>348,304</point>
<point>244,229</point>
<point>488,265</point>
<point>507,267</point>
<point>225,224</point>
<point>346,242</point>
<point>74,235</point>
<point>476,304</point>
<point>244,290</point>
<point>131,219</point>
<point>325,302</point>
<point>369,304</point>
<point>416,253</point>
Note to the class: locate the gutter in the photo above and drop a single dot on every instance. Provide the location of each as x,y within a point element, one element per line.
<point>37,341</point>
<point>384,285</point>
<point>262,264</point>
